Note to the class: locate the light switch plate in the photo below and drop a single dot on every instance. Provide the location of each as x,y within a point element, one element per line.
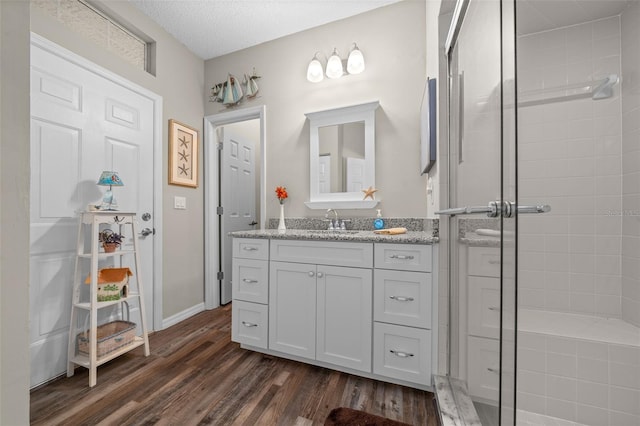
<point>180,203</point>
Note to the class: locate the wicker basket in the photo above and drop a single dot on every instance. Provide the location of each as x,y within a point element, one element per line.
<point>113,283</point>
<point>111,336</point>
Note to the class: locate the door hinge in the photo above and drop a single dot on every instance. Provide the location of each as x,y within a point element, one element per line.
<point>220,275</point>
<point>219,210</point>
<point>219,146</point>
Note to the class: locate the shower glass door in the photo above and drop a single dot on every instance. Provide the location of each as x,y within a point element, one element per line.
<point>482,195</point>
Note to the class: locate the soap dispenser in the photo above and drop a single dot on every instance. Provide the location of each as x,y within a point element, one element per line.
<point>378,222</point>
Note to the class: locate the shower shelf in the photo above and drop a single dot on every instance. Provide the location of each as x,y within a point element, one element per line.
<point>596,90</point>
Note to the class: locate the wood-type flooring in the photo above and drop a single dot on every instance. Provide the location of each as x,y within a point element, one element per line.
<point>195,375</point>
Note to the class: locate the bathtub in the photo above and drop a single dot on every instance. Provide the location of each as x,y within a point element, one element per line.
<point>580,368</point>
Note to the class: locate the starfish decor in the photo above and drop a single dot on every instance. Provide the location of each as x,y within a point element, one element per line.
<point>369,192</point>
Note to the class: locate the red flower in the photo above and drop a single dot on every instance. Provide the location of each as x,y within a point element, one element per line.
<point>281,193</point>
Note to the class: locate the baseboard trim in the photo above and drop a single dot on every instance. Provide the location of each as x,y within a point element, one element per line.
<point>181,316</point>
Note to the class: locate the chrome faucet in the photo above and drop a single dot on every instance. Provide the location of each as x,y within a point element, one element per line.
<point>333,225</point>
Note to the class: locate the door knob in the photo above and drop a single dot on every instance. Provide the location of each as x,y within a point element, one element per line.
<point>254,223</point>
<point>147,231</point>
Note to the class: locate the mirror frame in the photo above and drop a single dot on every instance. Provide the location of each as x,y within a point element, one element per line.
<point>346,200</point>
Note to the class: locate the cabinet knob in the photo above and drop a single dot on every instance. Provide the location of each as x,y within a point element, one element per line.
<point>311,273</point>
<point>320,274</point>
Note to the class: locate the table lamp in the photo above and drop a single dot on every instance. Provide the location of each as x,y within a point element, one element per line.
<point>109,178</point>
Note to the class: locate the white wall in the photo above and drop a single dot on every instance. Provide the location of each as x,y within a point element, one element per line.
<point>570,158</point>
<point>631,164</point>
<point>392,39</point>
<point>14,213</point>
<point>179,80</point>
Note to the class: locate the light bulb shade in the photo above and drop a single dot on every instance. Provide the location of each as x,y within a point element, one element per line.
<point>355,63</point>
<point>314,71</point>
<point>109,178</point>
<point>334,66</point>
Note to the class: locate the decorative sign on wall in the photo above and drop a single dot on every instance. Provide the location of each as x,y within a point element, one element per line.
<point>183,155</point>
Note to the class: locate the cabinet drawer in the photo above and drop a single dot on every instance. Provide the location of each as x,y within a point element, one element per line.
<point>250,280</point>
<point>402,298</point>
<point>484,261</point>
<point>323,253</point>
<point>251,248</point>
<point>484,367</point>
<point>404,257</point>
<point>249,323</point>
<point>402,353</point>
<point>484,306</point>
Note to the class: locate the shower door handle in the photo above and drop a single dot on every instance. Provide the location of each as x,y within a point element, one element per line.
<point>511,207</point>
<point>493,209</point>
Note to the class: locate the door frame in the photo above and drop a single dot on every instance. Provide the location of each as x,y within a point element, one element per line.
<point>156,99</point>
<point>211,193</point>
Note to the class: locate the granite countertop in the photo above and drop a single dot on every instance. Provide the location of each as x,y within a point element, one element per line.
<point>475,240</point>
<point>411,237</point>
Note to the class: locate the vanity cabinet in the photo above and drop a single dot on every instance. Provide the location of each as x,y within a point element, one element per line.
<point>403,311</point>
<point>250,283</point>
<point>362,307</point>
<point>319,310</point>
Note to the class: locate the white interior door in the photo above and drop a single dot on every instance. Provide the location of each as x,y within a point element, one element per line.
<point>355,174</point>
<point>81,124</point>
<point>324,173</point>
<point>238,196</point>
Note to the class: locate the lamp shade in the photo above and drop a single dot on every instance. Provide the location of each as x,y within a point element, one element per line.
<point>355,63</point>
<point>334,65</point>
<point>109,178</point>
<point>314,71</point>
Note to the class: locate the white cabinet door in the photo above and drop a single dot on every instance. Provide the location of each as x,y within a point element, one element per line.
<point>344,316</point>
<point>292,308</point>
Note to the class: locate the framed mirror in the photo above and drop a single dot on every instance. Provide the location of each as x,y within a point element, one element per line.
<point>342,157</point>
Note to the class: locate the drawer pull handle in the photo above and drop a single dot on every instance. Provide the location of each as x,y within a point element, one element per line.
<point>493,370</point>
<point>494,262</point>
<point>401,298</point>
<point>401,354</point>
<point>249,281</point>
<point>250,248</point>
<point>401,257</point>
<point>249,324</point>
<point>493,308</point>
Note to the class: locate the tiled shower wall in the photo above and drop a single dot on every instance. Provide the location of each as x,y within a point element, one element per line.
<point>631,165</point>
<point>570,158</point>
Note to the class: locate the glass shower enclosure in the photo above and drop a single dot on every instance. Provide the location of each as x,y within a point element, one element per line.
<point>543,211</point>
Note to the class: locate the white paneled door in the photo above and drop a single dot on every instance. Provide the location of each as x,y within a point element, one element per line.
<point>238,193</point>
<point>81,124</point>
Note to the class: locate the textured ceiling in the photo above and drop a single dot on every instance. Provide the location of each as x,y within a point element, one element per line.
<point>211,28</point>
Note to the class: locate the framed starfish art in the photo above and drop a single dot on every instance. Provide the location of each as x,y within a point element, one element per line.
<point>183,155</point>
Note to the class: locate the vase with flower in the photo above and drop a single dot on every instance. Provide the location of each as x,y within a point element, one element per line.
<point>281,193</point>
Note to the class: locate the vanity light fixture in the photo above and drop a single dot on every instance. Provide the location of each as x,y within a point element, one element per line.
<point>335,66</point>
<point>315,74</point>
<point>355,63</point>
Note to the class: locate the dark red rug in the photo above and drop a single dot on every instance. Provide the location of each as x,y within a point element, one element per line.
<point>349,417</point>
